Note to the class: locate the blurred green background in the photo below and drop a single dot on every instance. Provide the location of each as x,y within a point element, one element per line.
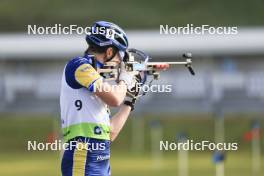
<point>15,15</point>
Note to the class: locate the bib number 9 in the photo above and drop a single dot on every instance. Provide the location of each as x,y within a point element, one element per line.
<point>78,104</point>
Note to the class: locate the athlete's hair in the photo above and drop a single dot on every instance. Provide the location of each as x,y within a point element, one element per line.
<point>93,48</point>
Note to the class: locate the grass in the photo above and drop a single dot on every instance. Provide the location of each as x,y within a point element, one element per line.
<point>199,164</point>
<point>47,163</point>
<point>16,160</point>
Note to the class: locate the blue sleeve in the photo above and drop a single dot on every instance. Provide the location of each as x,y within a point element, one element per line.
<point>70,69</point>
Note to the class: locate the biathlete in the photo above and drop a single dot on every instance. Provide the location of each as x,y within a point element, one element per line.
<point>85,99</point>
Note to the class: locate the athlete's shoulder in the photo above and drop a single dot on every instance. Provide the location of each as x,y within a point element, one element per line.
<point>79,72</point>
<point>77,61</point>
<point>70,68</point>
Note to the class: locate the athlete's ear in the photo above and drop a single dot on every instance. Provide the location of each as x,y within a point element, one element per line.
<point>109,52</point>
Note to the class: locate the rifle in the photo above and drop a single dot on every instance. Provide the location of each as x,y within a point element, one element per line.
<point>138,61</point>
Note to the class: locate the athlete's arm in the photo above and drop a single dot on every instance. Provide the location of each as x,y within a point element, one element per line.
<point>118,121</point>
<point>117,93</point>
<point>112,95</point>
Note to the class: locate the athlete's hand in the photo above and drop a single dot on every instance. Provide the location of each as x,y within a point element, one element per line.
<point>132,94</point>
<point>127,77</point>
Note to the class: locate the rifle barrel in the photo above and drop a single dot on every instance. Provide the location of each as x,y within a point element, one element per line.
<point>170,63</point>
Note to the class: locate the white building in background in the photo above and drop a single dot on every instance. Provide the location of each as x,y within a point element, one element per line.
<point>31,67</point>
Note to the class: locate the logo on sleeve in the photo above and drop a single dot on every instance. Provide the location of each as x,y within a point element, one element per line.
<point>87,67</point>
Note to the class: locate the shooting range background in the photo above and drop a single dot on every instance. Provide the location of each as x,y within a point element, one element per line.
<point>222,102</point>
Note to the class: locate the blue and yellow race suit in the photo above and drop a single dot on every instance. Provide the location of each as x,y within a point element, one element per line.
<point>85,120</point>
